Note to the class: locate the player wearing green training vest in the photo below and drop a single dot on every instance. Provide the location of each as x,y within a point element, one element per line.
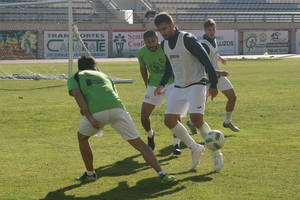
<point>98,100</point>
<point>152,62</point>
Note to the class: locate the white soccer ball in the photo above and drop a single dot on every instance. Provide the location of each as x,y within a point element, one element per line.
<point>214,140</point>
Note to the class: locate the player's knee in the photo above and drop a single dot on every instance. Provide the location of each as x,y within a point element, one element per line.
<point>233,98</point>
<point>197,122</point>
<point>170,122</point>
<point>82,138</point>
<point>144,117</point>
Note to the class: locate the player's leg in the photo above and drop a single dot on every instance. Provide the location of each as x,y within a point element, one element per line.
<point>123,123</point>
<point>149,103</point>
<point>176,140</point>
<point>146,111</point>
<point>197,108</point>
<point>85,131</point>
<point>226,87</point>
<point>86,151</point>
<point>176,106</point>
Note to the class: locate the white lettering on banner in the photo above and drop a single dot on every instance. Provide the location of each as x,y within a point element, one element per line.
<point>260,42</point>
<point>298,41</point>
<point>56,44</point>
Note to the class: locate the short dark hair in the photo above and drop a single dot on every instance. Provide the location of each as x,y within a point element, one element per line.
<point>150,13</point>
<point>208,23</point>
<point>149,34</point>
<point>163,17</point>
<point>86,62</point>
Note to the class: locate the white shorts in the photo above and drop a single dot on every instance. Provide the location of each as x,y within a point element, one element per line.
<point>118,118</point>
<point>191,99</point>
<point>156,100</point>
<point>224,84</point>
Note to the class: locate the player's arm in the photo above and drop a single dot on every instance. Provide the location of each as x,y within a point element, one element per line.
<point>197,50</point>
<point>144,73</point>
<point>76,93</point>
<point>223,61</point>
<point>143,69</point>
<point>168,73</point>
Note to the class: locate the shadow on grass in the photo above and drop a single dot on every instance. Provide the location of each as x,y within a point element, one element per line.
<point>126,167</point>
<point>148,188</point>
<point>144,189</point>
<point>31,89</point>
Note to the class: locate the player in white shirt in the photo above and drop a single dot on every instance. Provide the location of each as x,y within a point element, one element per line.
<point>189,62</point>
<point>224,85</point>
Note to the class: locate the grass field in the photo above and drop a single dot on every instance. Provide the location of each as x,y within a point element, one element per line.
<point>39,154</point>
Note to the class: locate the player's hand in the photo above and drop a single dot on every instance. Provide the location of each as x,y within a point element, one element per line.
<point>159,90</point>
<point>222,73</point>
<point>94,122</point>
<point>223,61</point>
<point>213,92</point>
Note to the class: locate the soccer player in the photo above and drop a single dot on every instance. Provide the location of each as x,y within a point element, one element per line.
<point>152,62</point>
<point>188,60</point>
<point>209,42</point>
<point>98,100</point>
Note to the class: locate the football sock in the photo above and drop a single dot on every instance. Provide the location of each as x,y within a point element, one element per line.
<point>191,123</point>
<point>180,131</point>
<point>150,133</point>
<point>161,173</point>
<point>204,130</point>
<point>176,140</point>
<point>90,173</point>
<point>228,117</point>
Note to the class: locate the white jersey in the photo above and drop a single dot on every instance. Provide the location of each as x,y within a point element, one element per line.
<point>186,67</point>
<point>213,53</point>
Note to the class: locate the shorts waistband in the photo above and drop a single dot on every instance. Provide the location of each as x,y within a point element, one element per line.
<point>201,82</point>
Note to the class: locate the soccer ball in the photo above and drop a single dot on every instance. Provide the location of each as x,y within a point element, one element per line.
<point>214,140</point>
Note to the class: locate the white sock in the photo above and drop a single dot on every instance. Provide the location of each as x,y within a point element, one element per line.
<point>180,131</point>
<point>150,133</point>
<point>161,173</point>
<point>90,173</point>
<point>204,130</point>
<point>190,122</point>
<point>228,117</point>
<point>176,141</point>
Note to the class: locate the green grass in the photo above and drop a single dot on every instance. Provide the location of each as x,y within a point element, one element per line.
<point>39,153</point>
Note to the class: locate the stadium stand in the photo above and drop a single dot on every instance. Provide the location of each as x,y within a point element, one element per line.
<point>83,10</point>
<point>230,10</point>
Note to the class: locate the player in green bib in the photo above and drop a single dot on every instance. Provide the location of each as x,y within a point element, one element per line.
<point>99,103</point>
<point>152,62</point>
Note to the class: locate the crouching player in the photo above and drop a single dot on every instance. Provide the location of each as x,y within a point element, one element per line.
<point>98,100</point>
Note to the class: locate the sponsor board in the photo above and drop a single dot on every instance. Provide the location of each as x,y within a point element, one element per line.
<point>18,44</point>
<point>127,43</point>
<point>261,42</point>
<point>56,44</point>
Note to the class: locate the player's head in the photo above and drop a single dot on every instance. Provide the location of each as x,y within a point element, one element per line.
<point>151,40</point>
<point>86,62</point>
<point>210,28</point>
<point>165,25</point>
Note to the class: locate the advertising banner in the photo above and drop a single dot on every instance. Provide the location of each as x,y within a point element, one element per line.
<point>127,43</point>
<point>298,41</point>
<point>18,44</point>
<point>227,40</point>
<point>56,44</point>
<point>260,42</point>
